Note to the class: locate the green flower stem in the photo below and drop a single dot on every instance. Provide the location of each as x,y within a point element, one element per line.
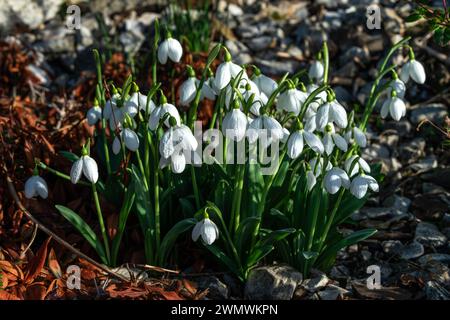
<point>141,167</point>
<point>326,62</point>
<point>105,148</point>
<point>156,196</point>
<point>331,219</point>
<point>59,173</point>
<point>102,224</point>
<point>310,99</point>
<point>371,102</point>
<point>195,186</point>
<point>261,205</point>
<point>237,196</point>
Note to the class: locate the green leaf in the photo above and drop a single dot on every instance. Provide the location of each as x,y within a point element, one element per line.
<point>273,236</point>
<point>279,217</point>
<point>171,236</point>
<point>213,55</point>
<point>355,237</point>
<point>227,262</point>
<point>84,229</point>
<point>69,155</point>
<point>413,17</point>
<point>309,254</point>
<point>244,232</point>
<point>257,254</point>
<point>143,204</point>
<point>123,217</point>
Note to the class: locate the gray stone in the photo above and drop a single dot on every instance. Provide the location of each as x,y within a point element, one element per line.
<point>429,235</point>
<point>409,152</point>
<point>397,202</point>
<point>440,257</point>
<point>277,68</point>
<point>435,112</point>
<point>426,164</point>
<point>260,43</point>
<point>392,246</point>
<point>332,292</point>
<point>276,282</point>
<point>314,284</point>
<point>412,250</point>
<point>56,39</point>
<point>217,290</point>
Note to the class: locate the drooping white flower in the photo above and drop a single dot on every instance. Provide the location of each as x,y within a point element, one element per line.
<point>226,71</point>
<point>234,124</point>
<point>93,115</point>
<point>188,90</point>
<point>208,90</point>
<point>355,134</point>
<point>170,48</point>
<point>207,229</point>
<point>86,165</point>
<point>130,140</point>
<point>331,139</point>
<point>296,143</point>
<point>360,164</point>
<point>361,183</point>
<point>36,186</point>
<point>316,70</point>
<point>331,111</point>
<point>265,128</point>
<point>399,87</point>
<point>138,101</point>
<point>110,104</point>
<point>413,69</point>
<point>159,112</point>
<point>335,179</point>
<point>265,84</point>
<point>291,100</point>
<point>286,135</point>
<point>394,106</point>
<point>322,96</point>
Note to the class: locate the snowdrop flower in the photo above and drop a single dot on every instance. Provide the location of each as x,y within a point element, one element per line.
<point>360,164</point>
<point>286,135</point>
<point>249,90</point>
<point>207,229</point>
<point>94,114</point>
<point>111,104</point>
<point>361,183</point>
<point>291,100</point>
<point>322,95</point>
<point>227,70</point>
<point>138,102</point>
<point>174,145</point>
<point>394,106</point>
<point>130,140</point>
<point>355,134</point>
<point>316,70</point>
<point>170,48</point>
<point>159,112</point>
<point>265,84</point>
<point>398,86</point>
<point>264,124</point>
<point>413,69</point>
<point>86,165</point>
<point>336,178</point>
<point>296,141</point>
<point>188,89</point>
<point>36,186</point>
<point>235,123</point>
<point>331,139</point>
<point>208,90</point>
<point>331,111</point>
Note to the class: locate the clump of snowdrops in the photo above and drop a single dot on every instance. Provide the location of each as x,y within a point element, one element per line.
<point>277,171</point>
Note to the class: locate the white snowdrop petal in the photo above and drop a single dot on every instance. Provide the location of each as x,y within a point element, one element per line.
<point>373,184</point>
<point>196,231</point>
<point>209,232</point>
<point>338,114</point>
<point>90,169</point>
<point>340,142</point>
<point>41,187</point>
<point>332,182</point>
<point>130,139</point>
<point>322,116</point>
<point>116,145</point>
<point>187,91</point>
<point>275,130</point>
<point>295,145</point>
<point>310,180</point>
<point>328,143</point>
<point>254,129</point>
<point>397,108</point>
<point>404,73</point>
<point>358,187</point>
<point>30,187</point>
<point>313,142</point>
<point>175,50</point>
<point>417,72</point>
<point>163,52</point>
<point>385,108</point>
<point>360,137</point>
<point>166,145</point>
<point>223,75</point>
<point>177,162</point>
<point>316,70</point>
<point>234,125</point>
<point>93,115</point>
<point>76,171</point>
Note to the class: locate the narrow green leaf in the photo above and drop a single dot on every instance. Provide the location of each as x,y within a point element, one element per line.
<point>171,236</point>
